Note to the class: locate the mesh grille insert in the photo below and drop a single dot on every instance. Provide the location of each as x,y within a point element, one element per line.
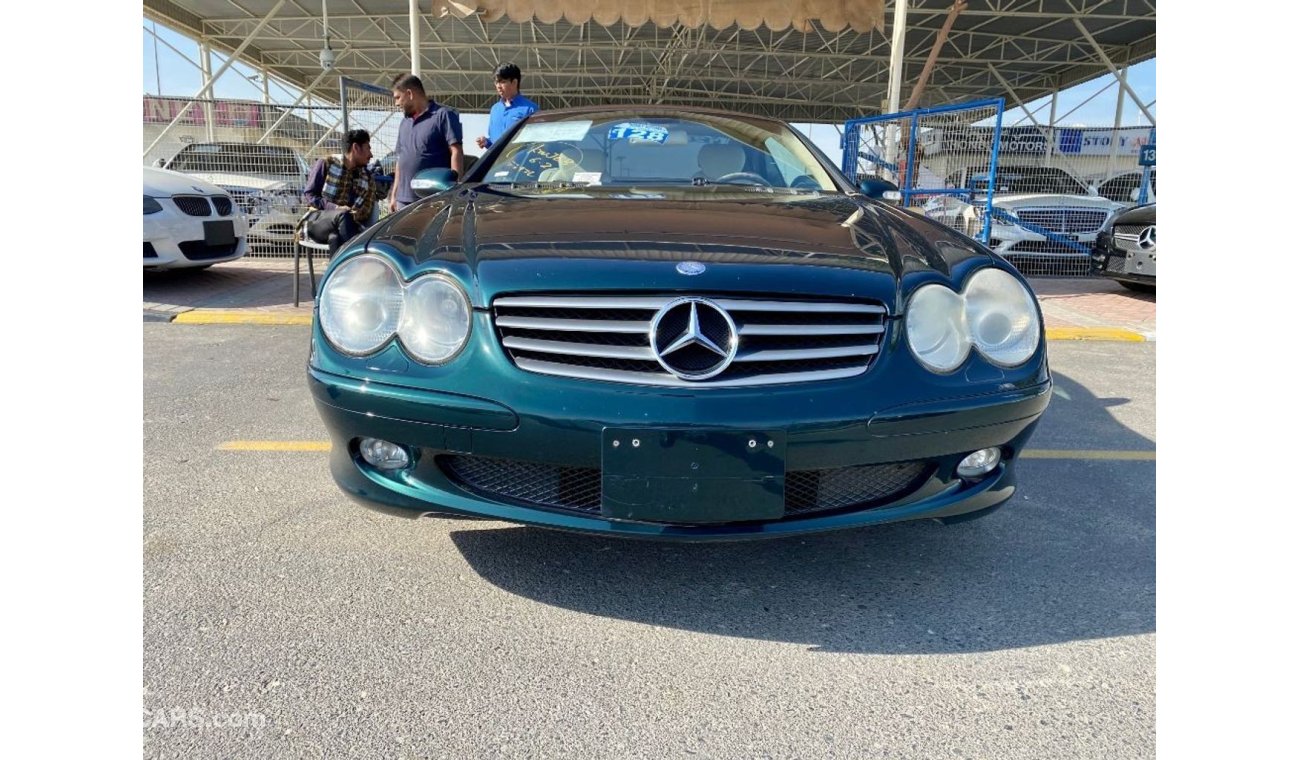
<point>194,205</point>
<point>577,489</point>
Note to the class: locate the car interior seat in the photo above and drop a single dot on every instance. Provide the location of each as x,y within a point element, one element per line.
<point>567,165</point>
<point>717,161</point>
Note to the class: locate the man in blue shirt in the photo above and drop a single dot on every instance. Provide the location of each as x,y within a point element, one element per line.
<point>510,109</point>
<point>427,138</point>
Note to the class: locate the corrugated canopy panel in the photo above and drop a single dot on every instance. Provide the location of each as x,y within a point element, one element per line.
<point>833,15</point>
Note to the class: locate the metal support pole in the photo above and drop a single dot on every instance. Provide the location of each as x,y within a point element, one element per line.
<point>896,79</point>
<point>206,89</point>
<point>266,84</point>
<point>343,102</point>
<point>157,72</point>
<point>1119,119</point>
<point>205,66</point>
<point>1051,127</point>
<point>1113,69</point>
<point>415,37</point>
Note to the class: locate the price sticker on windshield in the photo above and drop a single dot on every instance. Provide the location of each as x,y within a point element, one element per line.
<point>635,133</point>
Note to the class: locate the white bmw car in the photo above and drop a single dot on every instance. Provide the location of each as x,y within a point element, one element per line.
<point>189,222</point>
<point>266,182</point>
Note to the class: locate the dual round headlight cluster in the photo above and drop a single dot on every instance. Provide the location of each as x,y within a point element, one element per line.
<point>993,313</point>
<point>365,303</point>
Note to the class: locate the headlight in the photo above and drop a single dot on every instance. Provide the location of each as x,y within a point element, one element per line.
<point>361,305</point>
<point>936,328</point>
<point>151,205</point>
<point>1002,318</point>
<point>435,319</point>
<point>994,313</point>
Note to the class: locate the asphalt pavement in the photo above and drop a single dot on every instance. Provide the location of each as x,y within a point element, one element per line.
<point>283,620</point>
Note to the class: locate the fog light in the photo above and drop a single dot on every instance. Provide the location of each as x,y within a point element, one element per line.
<point>979,463</point>
<point>383,455</point>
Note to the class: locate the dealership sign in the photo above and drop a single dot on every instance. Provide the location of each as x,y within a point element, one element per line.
<point>1031,141</point>
<point>225,113</point>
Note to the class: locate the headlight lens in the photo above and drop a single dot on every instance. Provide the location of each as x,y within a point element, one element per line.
<point>1002,318</point>
<point>435,319</point>
<point>994,313</point>
<point>151,205</point>
<point>361,305</point>
<point>936,328</point>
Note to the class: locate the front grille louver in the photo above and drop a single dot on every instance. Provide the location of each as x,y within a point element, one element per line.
<point>608,338</point>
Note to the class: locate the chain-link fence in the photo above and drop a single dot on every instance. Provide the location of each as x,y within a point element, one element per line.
<point>1036,195</point>
<point>261,153</point>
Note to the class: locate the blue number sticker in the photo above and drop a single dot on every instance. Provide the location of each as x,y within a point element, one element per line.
<point>638,132</point>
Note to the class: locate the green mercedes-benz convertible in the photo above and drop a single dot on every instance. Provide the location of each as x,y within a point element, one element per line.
<point>672,323</point>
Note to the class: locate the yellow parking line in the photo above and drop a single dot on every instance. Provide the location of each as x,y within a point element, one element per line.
<point>274,446</point>
<point>1093,333</point>
<point>1128,456</point>
<point>1094,454</point>
<point>240,317</point>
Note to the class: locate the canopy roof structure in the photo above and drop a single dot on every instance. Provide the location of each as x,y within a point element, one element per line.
<point>799,60</point>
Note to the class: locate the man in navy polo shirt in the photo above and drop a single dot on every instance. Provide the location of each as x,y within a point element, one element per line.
<point>510,109</point>
<point>428,138</point>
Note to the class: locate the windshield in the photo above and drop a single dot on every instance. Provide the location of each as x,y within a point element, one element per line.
<point>627,148</point>
<point>240,159</point>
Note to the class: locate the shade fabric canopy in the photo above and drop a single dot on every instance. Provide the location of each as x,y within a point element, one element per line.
<point>833,15</point>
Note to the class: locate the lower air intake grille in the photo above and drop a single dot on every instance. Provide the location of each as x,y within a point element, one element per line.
<point>197,250</point>
<point>577,489</point>
<point>860,486</point>
<point>544,485</point>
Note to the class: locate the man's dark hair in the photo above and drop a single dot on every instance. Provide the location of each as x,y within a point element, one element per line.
<point>408,82</point>
<point>355,137</point>
<point>508,71</point>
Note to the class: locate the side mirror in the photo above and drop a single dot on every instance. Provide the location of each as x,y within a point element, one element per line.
<point>432,181</point>
<point>160,163</point>
<point>880,189</point>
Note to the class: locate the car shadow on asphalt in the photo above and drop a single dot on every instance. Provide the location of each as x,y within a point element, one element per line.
<point>1071,557</point>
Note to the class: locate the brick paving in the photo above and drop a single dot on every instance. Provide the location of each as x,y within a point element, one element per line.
<point>266,285</point>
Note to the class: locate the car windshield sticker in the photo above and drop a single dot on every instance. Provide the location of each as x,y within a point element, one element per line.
<point>637,133</point>
<point>505,173</point>
<point>562,130</point>
<point>591,178</point>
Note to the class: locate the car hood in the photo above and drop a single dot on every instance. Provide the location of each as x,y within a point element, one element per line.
<point>1137,215</point>
<point>832,245</point>
<point>246,181</point>
<point>1040,200</point>
<point>161,183</point>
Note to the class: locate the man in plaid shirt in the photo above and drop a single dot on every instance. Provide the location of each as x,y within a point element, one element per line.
<point>346,185</point>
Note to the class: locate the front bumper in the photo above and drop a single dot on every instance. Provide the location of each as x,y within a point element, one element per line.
<point>173,240</point>
<point>441,428</point>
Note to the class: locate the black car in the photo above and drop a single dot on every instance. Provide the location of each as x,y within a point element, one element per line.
<point>1126,250</point>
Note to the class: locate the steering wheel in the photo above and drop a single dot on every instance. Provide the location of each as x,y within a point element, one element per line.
<point>757,178</point>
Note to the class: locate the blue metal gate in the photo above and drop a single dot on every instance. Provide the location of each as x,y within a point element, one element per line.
<point>929,153</point>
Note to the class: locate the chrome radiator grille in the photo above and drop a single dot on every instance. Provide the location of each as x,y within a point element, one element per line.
<point>609,338</point>
<point>1127,236</point>
<point>1064,220</point>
